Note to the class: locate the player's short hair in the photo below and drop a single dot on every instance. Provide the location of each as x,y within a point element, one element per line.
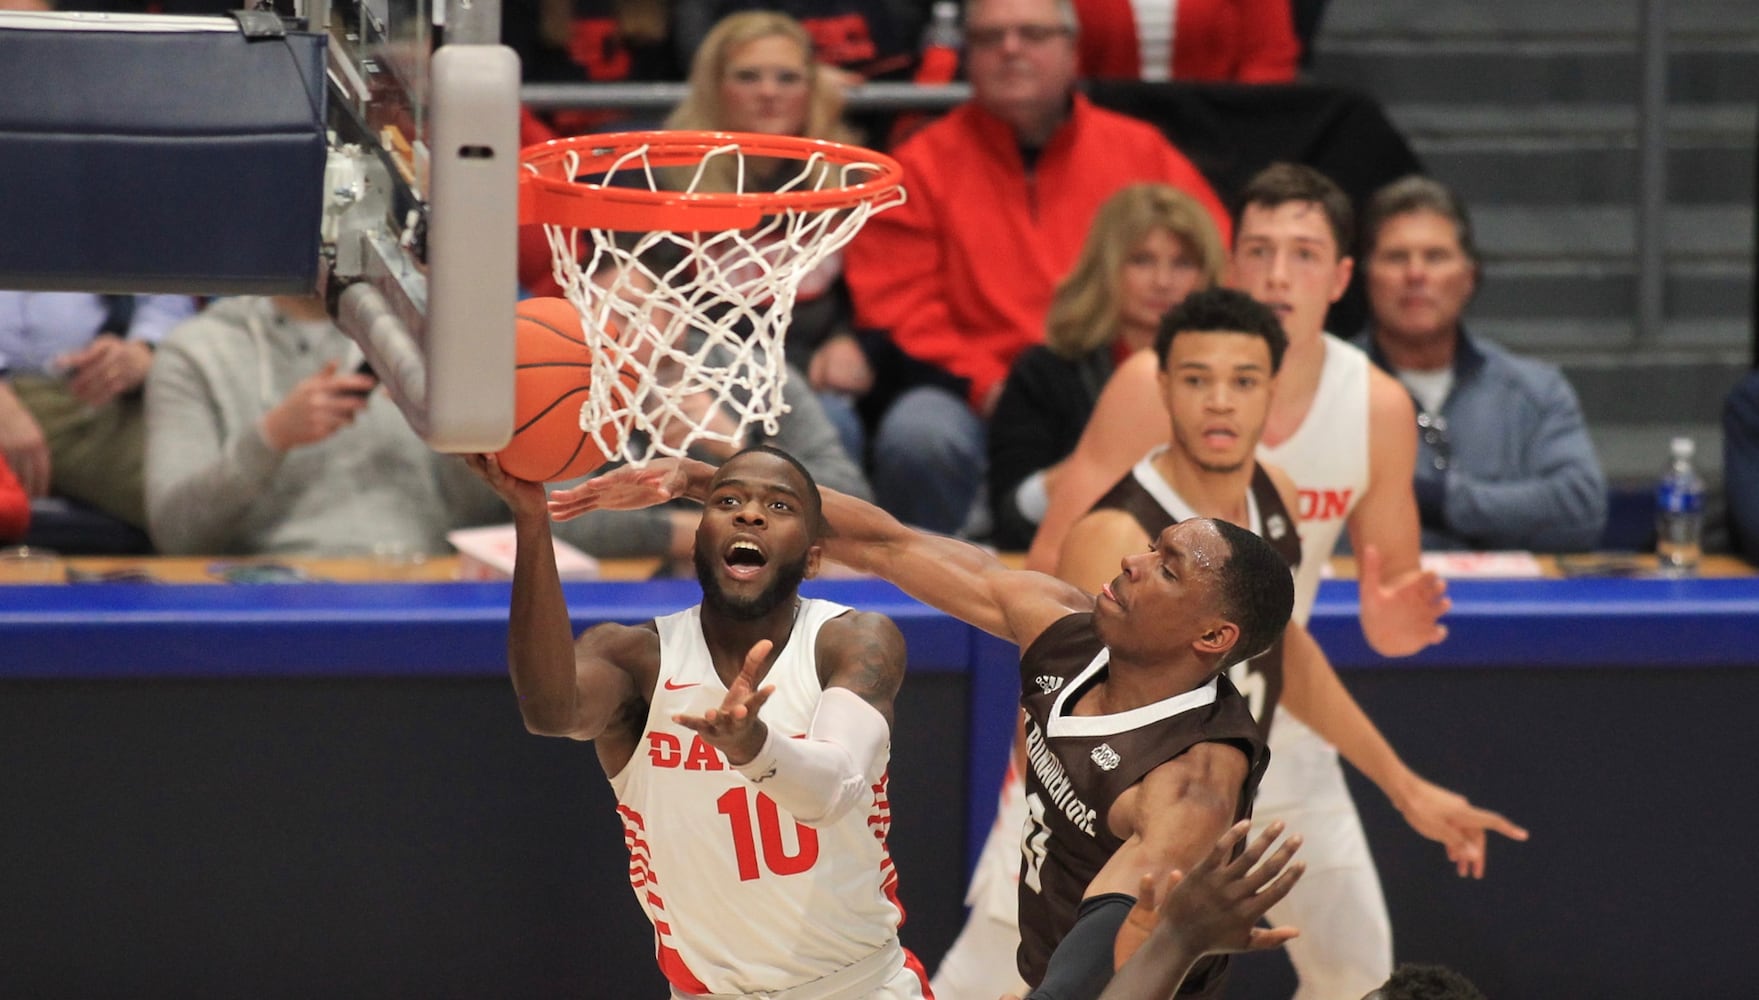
<point>814,499</point>
<point>1426,982</point>
<point>1417,193</point>
<point>1222,310</point>
<point>1257,592</point>
<point>1282,183</point>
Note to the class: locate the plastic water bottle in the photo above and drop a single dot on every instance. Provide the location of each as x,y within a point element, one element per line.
<point>941,42</point>
<point>1679,513</point>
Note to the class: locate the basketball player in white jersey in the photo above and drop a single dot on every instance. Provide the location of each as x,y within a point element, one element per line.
<point>746,739</point>
<point>1346,434</point>
<point>1144,754</point>
<point>1220,349</point>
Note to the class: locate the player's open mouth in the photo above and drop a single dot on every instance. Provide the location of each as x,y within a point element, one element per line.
<point>1107,592</point>
<point>744,559</point>
<point>1219,437</point>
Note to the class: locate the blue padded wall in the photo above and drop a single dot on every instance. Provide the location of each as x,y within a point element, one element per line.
<point>185,162</point>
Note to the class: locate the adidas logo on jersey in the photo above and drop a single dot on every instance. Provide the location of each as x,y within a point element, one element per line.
<point>1047,684</point>
<point>1106,757</point>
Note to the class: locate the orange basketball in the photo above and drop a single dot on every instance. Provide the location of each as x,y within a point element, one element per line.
<point>551,379</point>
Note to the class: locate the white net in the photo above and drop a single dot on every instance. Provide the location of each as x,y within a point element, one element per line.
<point>687,327</point>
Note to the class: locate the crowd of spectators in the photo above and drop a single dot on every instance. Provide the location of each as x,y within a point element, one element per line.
<point>958,346</point>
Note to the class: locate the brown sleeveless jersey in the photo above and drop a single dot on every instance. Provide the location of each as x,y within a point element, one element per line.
<point>1077,766</point>
<point>1259,679</point>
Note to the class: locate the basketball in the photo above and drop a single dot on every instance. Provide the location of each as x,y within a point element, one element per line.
<point>553,371</point>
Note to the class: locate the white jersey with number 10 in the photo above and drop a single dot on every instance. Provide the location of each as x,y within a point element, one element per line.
<point>744,898</point>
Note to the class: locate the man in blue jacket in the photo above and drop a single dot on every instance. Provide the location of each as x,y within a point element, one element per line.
<point>1504,458</point>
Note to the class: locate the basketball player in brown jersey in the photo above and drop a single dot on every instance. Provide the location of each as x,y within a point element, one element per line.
<point>1219,350</point>
<point>1141,752</point>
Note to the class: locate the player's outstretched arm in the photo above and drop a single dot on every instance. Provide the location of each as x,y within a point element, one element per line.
<point>1215,909</point>
<point>564,688</point>
<point>1402,604</point>
<point>1313,693</point>
<point>953,576</point>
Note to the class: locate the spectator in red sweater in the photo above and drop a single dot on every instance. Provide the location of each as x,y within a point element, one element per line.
<point>1002,192</point>
<point>1225,41</point>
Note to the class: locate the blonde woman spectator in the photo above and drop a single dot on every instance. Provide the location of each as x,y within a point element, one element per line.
<point>756,72</point>
<point>1150,246</point>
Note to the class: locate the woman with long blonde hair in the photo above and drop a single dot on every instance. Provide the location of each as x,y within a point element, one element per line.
<point>1150,245</point>
<point>756,72</point>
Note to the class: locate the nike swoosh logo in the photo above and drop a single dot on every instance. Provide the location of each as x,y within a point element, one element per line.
<point>679,687</point>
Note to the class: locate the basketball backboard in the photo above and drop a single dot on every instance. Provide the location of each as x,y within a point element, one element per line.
<point>421,207</point>
<point>348,150</point>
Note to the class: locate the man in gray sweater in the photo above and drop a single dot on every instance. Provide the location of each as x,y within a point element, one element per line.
<point>262,439</point>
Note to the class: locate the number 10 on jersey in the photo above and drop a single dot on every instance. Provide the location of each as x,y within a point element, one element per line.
<point>737,805</point>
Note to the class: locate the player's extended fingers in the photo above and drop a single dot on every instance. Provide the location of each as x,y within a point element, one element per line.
<point>755,702</point>
<point>1266,938</point>
<point>1487,819</point>
<point>1255,850</point>
<point>1278,860</point>
<point>696,723</point>
<point>1279,887</point>
<point>1223,848</point>
<point>754,657</point>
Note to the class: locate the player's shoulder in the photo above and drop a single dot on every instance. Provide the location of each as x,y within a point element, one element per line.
<point>624,645</point>
<point>1107,527</point>
<point>855,626</point>
<point>1387,398</point>
<point>864,646</point>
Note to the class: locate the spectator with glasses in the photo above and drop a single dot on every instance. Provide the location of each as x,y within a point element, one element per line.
<point>1024,165</point>
<point>1504,457</point>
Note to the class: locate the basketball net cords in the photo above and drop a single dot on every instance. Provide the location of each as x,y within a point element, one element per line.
<point>702,337</point>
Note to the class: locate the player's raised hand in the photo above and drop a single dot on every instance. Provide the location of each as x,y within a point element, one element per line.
<point>1213,909</point>
<point>734,729</point>
<point>1449,819</point>
<point>627,488</point>
<point>1402,616</point>
<point>1217,905</point>
<point>523,496</point>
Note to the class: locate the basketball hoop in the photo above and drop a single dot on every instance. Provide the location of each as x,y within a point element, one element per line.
<point>684,252</point>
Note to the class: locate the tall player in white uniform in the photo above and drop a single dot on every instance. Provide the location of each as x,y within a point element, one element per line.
<point>746,739</point>
<point>1220,350</point>
<point>1346,434</point>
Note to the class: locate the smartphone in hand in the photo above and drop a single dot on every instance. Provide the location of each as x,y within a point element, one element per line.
<point>364,368</point>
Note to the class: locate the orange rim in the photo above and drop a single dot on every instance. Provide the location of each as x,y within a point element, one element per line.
<point>549,194</point>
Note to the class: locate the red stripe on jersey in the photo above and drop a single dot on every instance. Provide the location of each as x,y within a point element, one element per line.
<point>914,964</point>
<point>641,875</point>
<point>676,972</point>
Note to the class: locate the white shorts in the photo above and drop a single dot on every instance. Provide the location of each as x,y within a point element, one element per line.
<point>883,975</point>
<point>982,963</point>
<point>1346,943</point>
